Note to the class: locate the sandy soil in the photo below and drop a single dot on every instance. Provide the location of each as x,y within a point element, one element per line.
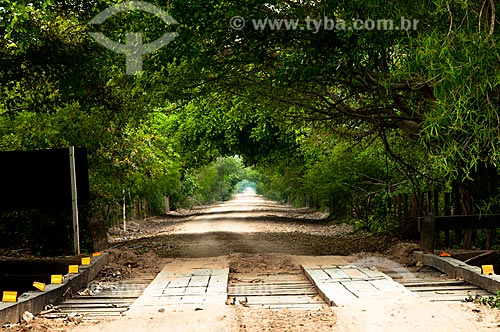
<point>250,234</point>
<point>248,224</point>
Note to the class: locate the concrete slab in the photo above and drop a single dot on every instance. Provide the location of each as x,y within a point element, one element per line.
<point>344,285</point>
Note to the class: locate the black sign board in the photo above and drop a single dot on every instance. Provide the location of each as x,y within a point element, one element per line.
<point>41,179</point>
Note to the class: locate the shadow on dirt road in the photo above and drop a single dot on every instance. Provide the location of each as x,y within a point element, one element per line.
<point>250,224</point>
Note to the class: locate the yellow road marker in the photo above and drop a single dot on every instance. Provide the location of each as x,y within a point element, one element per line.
<point>73,269</point>
<point>56,279</point>
<point>96,254</point>
<point>487,269</point>
<point>9,296</point>
<point>39,285</point>
<point>85,260</point>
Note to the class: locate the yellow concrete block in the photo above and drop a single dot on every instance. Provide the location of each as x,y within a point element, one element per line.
<point>56,279</point>
<point>73,269</point>
<point>487,269</point>
<point>9,296</point>
<point>39,285</point>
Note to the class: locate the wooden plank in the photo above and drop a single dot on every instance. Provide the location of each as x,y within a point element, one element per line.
<point>96,309</point>
<point>421,283</point>
<point>373,274</point>
<point>446,292</point>
<point>362,289</point>
<point>452,293</point>
<point>127,287</point>
<point>199,281</point>
<point>138,281</point>
<point>317,274</point>
<point>446,288</point>
<point>174,291</point>
<point>280,299</point>
<point>427,232</point>
<point>90,300</point>
<point>217,283</point>
<point>355,273</point>
<point>336,273</point>
<point>178,282</point>
<point>445,299</point>
<point>348,283</point>
<point>341,273</point>
<point>204,272</point>
<point>191,300</point>
<point>92,305</point>
<point>269,286</point>
<point>270,282</point>
<point>285,284</point>
<point>289,306</point>
<point>336,294</point>
<point>222,272</point>
<point>388,286</point>
<point>175,300</point>
<point>195,290</point>
<point>270,289</point>
<point>87,316</point>
<point>287,275</point>
<point>273,293</point>
<point>272,275</point>
<point>114,296</point>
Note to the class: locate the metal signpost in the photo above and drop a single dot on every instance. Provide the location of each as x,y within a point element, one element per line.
<point>74,200</point>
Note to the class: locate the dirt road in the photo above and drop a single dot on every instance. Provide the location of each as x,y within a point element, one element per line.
<point>251,224</point>
<point>252,235</point>
<point>247,224</point>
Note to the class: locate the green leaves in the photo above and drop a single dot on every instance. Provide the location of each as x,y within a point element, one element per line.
<point>286,100</point>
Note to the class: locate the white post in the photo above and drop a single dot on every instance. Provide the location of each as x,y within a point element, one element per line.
<point>124,210</point>
<point>74,200</point>
<point>167,204</point>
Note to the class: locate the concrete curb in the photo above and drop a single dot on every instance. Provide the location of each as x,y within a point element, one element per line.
<point>458,269</point>
<point>35,301</point>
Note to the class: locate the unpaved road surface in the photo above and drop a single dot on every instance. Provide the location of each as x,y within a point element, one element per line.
<point>249,224</point>
<point>252,235</point>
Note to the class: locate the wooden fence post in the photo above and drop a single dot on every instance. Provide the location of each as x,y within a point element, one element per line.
<point>436,203</point>
<point>490,237</point>
<point>429,202</point>
<point>167,204</point>
<point>428,232</point>
<point>406,214</point>
<point>447,204</point>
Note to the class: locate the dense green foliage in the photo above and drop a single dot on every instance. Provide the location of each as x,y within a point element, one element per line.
<point>337,119</point>
<point>214,182</point>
